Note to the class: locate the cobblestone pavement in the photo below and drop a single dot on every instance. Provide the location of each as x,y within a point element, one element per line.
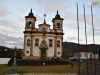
<point>49,74</point>
<point>90,66</point>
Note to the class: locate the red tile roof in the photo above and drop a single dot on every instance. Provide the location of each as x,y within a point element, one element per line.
<point>82,50</point>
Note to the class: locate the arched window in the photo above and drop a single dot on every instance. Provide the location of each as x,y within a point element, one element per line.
<point>58,25</point>
<point>30,24</point>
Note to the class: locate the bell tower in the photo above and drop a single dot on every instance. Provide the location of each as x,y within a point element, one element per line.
<point>57,22</point>
<point>30,21</point>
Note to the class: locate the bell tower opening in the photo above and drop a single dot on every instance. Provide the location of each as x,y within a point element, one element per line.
<point>58,25</point>
<point>30,24</point>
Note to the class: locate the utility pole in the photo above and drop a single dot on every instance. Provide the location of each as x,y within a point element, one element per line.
<point>93,39</point>
<point>85,36</point>
<point>78,42</point>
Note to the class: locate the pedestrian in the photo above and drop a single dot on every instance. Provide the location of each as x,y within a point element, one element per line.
<point>54,61</point>
<point>43,64</point>
<point>71,65</point>
<point>39,64</point>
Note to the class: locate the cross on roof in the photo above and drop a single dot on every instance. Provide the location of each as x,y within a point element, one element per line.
<point>44,17</point>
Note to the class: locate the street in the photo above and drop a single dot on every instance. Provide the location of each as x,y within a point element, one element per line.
<point>91,66</point>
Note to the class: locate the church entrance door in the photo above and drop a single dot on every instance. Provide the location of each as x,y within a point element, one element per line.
<point>43,54</point>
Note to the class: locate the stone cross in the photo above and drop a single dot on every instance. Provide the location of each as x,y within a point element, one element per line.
<point>14,66</point>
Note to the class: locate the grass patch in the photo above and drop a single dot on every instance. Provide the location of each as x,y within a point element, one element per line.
<point>41,69</point>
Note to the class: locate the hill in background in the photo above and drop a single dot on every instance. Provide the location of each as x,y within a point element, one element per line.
<point>74,46</point>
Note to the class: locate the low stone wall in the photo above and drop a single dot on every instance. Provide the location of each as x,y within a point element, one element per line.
<point>21,62</point>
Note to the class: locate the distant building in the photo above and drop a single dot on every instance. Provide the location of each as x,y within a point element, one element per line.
<point>84,54</point>
<point>4,60</point>
<point>43,42</point>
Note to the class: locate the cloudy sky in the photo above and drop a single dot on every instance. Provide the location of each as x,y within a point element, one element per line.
<point>13,12</point>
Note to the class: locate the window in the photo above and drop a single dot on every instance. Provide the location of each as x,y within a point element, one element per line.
<point>85,55</point>
<point>75,55</point>
<point>27,51</point>
<point>80,55</point>
<point>58,25</point>
<point>36,42</point>
<point>50,42</point>
<point>58,43</point>
<point>28,42</point>
<point>58,52</point>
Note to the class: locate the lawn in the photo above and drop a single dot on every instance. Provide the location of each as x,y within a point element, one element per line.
<point>41,69</point>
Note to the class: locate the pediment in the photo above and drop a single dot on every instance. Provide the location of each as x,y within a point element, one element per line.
<point>44,28</point>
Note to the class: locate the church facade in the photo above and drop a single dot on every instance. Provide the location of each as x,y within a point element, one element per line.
<point>43,42</point>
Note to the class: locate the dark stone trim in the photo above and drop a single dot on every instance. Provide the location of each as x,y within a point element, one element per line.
<point>57,33</point>
<point>30,17</point>
<point>57,19</point>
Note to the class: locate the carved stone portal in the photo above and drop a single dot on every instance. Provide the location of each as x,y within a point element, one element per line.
<point>43,45</point>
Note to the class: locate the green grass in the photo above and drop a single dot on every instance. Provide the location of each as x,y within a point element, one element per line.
<point>40,69</point>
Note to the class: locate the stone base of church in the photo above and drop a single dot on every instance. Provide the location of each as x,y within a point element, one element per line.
<point>34,57</point>
<point>25,57</point>
<point>49,58</point>
<point>31,57</point>
<point>28,62</point>
<point>39,58</point>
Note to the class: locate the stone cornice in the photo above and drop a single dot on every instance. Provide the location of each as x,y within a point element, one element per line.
<point>57,33</point>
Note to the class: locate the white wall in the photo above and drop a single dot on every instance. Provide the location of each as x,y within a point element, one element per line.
<point>59,49</point>
<point>36,50</point>
<point>50,50</point>
<point>4,60</point>
<point>96,56</point>
<point>27,48</point>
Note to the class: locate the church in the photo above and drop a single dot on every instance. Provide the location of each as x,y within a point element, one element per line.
<point>43,42</point>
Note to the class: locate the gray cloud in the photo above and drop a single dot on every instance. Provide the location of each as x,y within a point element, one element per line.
<point>10,27</point>
<point>11,40</point>
<point>71,38</point>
